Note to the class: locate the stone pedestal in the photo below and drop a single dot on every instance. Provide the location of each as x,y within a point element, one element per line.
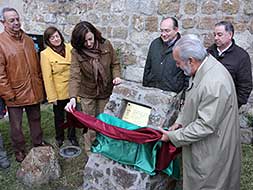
<point>102,173</point>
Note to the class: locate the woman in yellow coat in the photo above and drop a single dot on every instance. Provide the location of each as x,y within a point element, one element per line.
<point>55,65</point>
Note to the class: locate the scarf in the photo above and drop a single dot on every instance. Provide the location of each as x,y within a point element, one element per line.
<point>59,49</point>
<point>94,56</point>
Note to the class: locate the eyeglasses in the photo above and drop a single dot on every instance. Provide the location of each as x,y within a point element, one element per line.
<point>166,30</point>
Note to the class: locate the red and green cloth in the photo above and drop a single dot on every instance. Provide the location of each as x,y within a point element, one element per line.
<point>128,143</point>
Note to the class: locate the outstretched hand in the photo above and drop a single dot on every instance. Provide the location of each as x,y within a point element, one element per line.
<point>116,81</point>
<point>165,136</point>
<point>70,107</point>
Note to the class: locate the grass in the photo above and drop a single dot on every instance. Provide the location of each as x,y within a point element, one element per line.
<point>72,169</point>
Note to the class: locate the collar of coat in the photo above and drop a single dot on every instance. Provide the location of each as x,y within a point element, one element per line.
<point>207,64</point>
<point>168,49</point>
<point>15,35</point>
<point>213,50</point>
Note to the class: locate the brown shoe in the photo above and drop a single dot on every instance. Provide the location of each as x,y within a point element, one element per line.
<point>20,156</point>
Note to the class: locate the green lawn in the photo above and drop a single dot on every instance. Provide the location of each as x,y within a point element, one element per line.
<point>72,169</point>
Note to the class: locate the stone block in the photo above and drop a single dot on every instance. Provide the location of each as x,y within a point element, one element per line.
<point>163,104</point>
<point>140,38</point>
<point>103,173</point>
<point>188,23</point>
<point>133,73</point>
<point>102,5</point>
<point>138,22</point>
<point>39,167</point>
<point>248,7</point>
<point>207,23</point>
<point>118,6</point>
<point>50,18</point>
<point>120,32</point>
<point>168,6</point>
<point>208,39</point>
<point>147,7</point>
<point>132,5</point>
<point>125,19</point>
<point>209,7</point>
<point>190,8</point>
<point>230,6</point>
<point>151,23</point>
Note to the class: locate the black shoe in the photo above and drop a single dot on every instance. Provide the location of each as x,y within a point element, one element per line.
<point>59,143</point>
<point>20,156</point>
<point>74,142</point>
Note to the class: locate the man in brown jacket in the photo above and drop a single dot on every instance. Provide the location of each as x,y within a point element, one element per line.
<point>20,81</point>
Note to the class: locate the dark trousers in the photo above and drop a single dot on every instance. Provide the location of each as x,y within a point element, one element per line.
<point>2,108</point>
<point>17,136</point>
<point>59,118</point>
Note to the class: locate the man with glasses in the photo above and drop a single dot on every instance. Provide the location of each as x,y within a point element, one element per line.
<point>160,69</point>
<point>20,81</point>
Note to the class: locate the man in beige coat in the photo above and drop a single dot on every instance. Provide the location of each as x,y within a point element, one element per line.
<point>208,127</point>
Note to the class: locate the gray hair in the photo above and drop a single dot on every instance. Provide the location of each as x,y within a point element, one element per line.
<point>6,9</point>
<point>190,46</point>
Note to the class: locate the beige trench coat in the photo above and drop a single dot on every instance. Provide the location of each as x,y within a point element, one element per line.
<point>210,136</point>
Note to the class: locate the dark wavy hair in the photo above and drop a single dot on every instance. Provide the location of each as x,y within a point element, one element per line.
<point>79,33</point>
<point>49,32</point>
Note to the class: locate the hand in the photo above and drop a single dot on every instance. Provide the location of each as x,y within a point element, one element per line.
<point>116,81</point>
<point>175,126</point>
<point>70,107</point>
<point>55,103</point>
<point>165,136</point>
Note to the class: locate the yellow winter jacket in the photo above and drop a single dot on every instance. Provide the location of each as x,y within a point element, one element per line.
<point>55,71</point>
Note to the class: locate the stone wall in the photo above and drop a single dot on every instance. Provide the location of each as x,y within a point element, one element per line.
<point>132,24</point>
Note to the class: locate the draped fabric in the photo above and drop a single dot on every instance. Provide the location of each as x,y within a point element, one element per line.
<point>139,146</point>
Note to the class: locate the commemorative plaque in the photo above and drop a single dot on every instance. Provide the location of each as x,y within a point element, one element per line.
<point>136,114</point>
